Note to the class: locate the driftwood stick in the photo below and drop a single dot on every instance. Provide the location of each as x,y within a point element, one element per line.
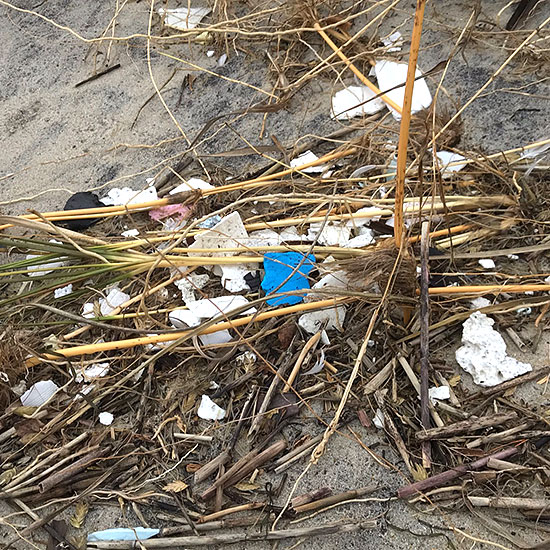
<point>210,467</point>
<point>231,538</point>
<point>425,342</point>
<point>511,502</point>
<point>500,437</point>
<point>465,426</point>
<point>443,478</point>
<point>335,499</point>
<point>306,498</point>
<point>228,511</point>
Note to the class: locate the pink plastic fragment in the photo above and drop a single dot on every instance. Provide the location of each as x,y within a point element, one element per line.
<point>170,210</point>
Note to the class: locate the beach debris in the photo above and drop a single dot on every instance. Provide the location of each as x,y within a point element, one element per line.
<point>183,318</point>
<point>210,53</point>
<point>209,308</point>
<point>184,18</point>
<point>286,272</point>
<point>483,353</point>
<point>130,233</point>
<point>365,238</point>
<point>446,158</point>
<point>246,359</point>
<point>355,101</point>
<point>63,291</point>
<point>329,233</point>
<point>107,305</point>
<point>105,418</point>
<point>440,393</point>
<point>327,319</point>
<point>479,302</point>
<point>391,74</point>
<point>378,419</point>
<point>487,263</point>
<point>208,410</point>
<point>123,533</point>
<point>222,60</point>
<point>91,372</point>
<point>189,284</point>
<point>394,42</point>
<point>306,158</point>
<point>191,185</point>
<point>121,196</point>
<point>39,393</point>
<point>228,233</point>
<point>177,211</point>
<point>80,200</point>
<point>45,268</point>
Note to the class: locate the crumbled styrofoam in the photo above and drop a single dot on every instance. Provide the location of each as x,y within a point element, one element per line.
<point>208,410</point>
<point>483,353</point>
<point>121,196</point>
<point>264,237</point>
<point>210,53</point>
<point>106,418</point>
<point>228,233</point>
<point>365,239</point>
<point>378,419</point>
<point>446,158</point>
<point>330,234</point>
<point>306,158</point>
<point>524,311</point>
<point>39,393</point>
<point>394,42</point>
<point>512,256</point>
<point>189,284</point>
<point>391,74</point>
<point>363,217</point>
<point>184,18</point>
<point>487,263</point>
<point>479,302</point>
<point>107,305</point>
<point>190,185</point>
<point>222,60</point>
<point>63,291</point>
<point>355,101</point>
<point>328,318</point>
<point>212,307</point>
<point>91,372</point>
<point>441,393</point>
<point>46,267</point>
<point>130,233</point>
<point>213,338</point>
<point>183,318</point>
<point>246,359</point>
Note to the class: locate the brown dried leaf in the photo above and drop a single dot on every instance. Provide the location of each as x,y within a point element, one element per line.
<point>245,486</point>
<point>80,513</point>
<point>175,486</point>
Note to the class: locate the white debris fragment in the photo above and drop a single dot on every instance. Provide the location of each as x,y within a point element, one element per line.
<point>130,233</point>
<point>394,42</point>
<point>183,19</point>
<point>306,158</point>
<point>483,353</point>
<point>441,393</point>
<point>364,216</point>
<point>210,53</point>
<point>446,158</point>
<point>524,311</point>
<point>487,263</point>
<point>213,338</point>
<point>378,419</point>
<point>329,318</point>
<point>107,305</point>
<point>124,195</point>
<point>391,74</point>
<point>189,284</point>
<point>183,318</point>
<point>355,101</point>
<point>99,370</point>
<point>330,234</point>
<point>63,291</point>
<point>212,307</point>
<point>106,418</point>
<point>246,359</point>
<point>222,60</point>
<point>190,185</point>
<point>123,533</point>
<point>46,268</point>
<point>512,256</point>
<point>365,239</point>
<point>39,393</point>
<point>479,302</point>
<point>208,410</point>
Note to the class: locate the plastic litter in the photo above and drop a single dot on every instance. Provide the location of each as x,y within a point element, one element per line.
<point>123,533</point>
<point>441,393</point>
<point>130,233</point>
<point>82,199</point>
<point>92,372</point>
<point>106,418</point>
<point>39,393</point>
<point>483,353</point>
<point>378,419</point>
<point>306,157</point>
<point>63,291</point>
<point>445,158</point>
<point>183,19</point>
<point>212,307</point>
<point>178,211</point>
<point>487,263</point>
<point>190,185</point>
<point>43,269</point>
<point>329,318</point>
<point>208,410</point>
<point>124,195</point>
<point>355,101</point>
<point>330,234</point>
<point>107,305</point>
<point>189,284</point>
<point>283,275</point>
<point>394,42</point>
<point>479,302</point>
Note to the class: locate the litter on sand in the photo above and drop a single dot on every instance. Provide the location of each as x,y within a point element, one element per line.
<point>123,533</point>
<point>126,196</point>
<point>39,393</point>
<point>208,410</point>
<point>487,263</point>
<point>106,418</point>
<point>184,18</point>
<point>355,101</point>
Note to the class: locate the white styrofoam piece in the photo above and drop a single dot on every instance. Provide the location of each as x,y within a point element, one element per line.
<point>441,393</point>
<point>445,158</point>
<point>365,239</point>
<point>362,217</point>
<point>106,418</point>
<point>184,18</point>
<point>189,284</point>
<point>218,337</point>
<point>222,60</point>
<point>394,42</point>
<point>190,185</point>
<point>479,302</point>
<point>208,410</point>
<point>212,307</point>
<point>328,318</point>
<point>378,419</point>
<point>330,234</point>
<point>44,268</point>
<point>483,353</point>
<point>183,318</point>
<point>487,263</point>
<point>305,158</point>
<point>130,233</point>
<point>119,196</point>
<point>39,393</point>
<point>107,305</point>
<point>390,74</point>
<point>63,291</point>
<point>355,101</point>
<point>91,372</point>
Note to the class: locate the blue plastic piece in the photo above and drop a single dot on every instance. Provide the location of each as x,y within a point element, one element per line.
<point>123,533</point>
<point>282,274</point>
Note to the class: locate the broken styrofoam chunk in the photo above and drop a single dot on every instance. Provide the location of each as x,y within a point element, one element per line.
<point>124,195</point>
<point>394,42</point>
<point>233,277</point>
<point>130,233</point>
<point>46,268</point>
<point>188,284</point>
<point>483,353</point>
<point>107,305</point>
<point>364,216</point>
<point>306,158</point>
<point>208,410</point>
<point>378,419</point>
<point>213,338</point>
<point>479,302</point>
<point>391,74</point>
<point>441,393</point>
<point>222,60</point>
<point>63,291</point>
<point>184,18</point>
<point>264,237</point>
<point>282,274</point>
<point>355,101</point>
<point>99,370</point>
<point>487,263</point>
<point>330,234</point>
<point>210,53</point>
<point>365,239</point>
<point>329,318</point>
<point>512,256</point>
<point>190,185</point>
<point>106,418</point>
<point>446,158</point>
<point>183,318</point>
<point>123,533</point>
<point>212,307</point>
<point>39,393</point>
